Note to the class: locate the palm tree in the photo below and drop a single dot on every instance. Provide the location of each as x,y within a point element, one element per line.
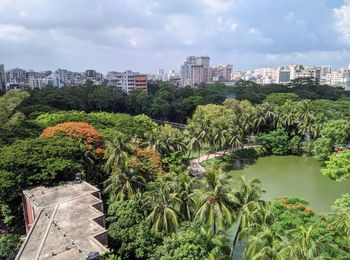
<point>264,245</point>
<point>117,151</point>
<point>168,140</point>
<point>306,244</point>
<point>341,220</point>
<point>194,145</point>
<point>162,205</point>
<point>186,196</point>
<point>248,197</point>
<point>124,183</point>
<point>264,116</point>
<point>215,207</point>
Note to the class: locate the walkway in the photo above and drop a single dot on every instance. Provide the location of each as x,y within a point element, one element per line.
<point>197,169</point>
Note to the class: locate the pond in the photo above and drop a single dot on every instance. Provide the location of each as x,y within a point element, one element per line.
<point>293,176</point>
<point>289,176</point>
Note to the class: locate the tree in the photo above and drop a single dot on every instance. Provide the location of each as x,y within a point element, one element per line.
<point>117,152</point>
<point>250,191</point>
<point>9,245</point>
<point>190,241</point>
<point>124,183</point>
<point>129,234</point>
<point>39,161</point>
<point>306,244</point>
<point>79,130</point>
<point>185,193</point>
<point>338,131</point>
<point>215,207</point>
<point>323,148</point>
<point>281,98</point>
<point>8,105</point>
<point>275,142</point>
<point>162,205</point>
<point>338,166</point>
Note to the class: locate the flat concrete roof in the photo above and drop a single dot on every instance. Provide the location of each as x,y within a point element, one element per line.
<point>65,226</point>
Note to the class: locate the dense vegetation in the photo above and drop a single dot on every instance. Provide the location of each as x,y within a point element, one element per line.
<point>156,208</point>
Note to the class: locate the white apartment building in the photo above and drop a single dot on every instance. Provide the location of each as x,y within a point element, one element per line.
<point>127,80</point>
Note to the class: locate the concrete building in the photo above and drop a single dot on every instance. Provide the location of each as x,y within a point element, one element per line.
<point>127,80</point>
<point>283,75</point>
<point>222,73</point>
<point>201,73</point>
<point>16,75</point>
<point>63,222</point>
<point>2,77</point>
<point>300,71</point>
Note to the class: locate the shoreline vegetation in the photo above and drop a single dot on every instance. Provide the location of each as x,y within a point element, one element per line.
<point>155,208</point>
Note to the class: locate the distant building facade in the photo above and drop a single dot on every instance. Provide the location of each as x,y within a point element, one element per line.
<point>2,77</point>
<point>196,70</point>
<point>127,80</point>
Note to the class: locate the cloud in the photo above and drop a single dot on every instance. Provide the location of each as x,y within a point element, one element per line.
<point>14,33</point>
<point>120,34</point>
<point>342,16</point>
<point>217,6</point>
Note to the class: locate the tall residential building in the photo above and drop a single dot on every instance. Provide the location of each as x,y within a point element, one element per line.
<point>325,70</point>
<point>196,70</point>
<point>300,71</point>
<point>222,73</point>
<point>127,80</point>
<point>2,77</point>
<point>283,75</point>
<point>16,75</point>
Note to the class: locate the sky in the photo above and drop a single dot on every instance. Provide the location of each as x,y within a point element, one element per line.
<point>146,35</point>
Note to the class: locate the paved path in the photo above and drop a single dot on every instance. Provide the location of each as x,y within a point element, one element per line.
<point>197,169</point>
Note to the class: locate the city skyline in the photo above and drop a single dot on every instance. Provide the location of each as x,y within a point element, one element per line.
<point>146,35</point>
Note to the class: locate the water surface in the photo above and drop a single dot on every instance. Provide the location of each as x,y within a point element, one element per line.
<point>293,176</point>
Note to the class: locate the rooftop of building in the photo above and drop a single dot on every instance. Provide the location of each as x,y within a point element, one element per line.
<point>67,223</point>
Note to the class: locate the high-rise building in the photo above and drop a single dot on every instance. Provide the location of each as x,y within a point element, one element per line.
<point>222,73</point>
<point>127,80</point>
<point>2,77</point>
<point>16,75</point>
<point>196,70</point>
<point>283,75</point>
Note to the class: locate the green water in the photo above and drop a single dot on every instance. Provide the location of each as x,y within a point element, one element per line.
<point>288,176</point>
<point>294,176</point>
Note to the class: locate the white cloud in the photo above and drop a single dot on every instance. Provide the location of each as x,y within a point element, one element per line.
<point>253,30</point>
<point>342,16</point>
<point>226,24</point>
<point>15,33</point>
<point>183,27</point>
<point>218,6</point>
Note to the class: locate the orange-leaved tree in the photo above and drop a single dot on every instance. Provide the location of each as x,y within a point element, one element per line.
<point>79,130</point>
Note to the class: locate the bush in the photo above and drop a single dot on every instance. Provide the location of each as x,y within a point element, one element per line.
<point>275,142</point>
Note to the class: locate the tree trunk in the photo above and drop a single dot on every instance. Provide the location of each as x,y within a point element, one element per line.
<point>236,236</point>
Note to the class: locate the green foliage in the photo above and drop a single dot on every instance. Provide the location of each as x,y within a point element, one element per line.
<point>338,166</point>
<point>106,123</point>
<point>322,148</point>
<point>281,98</point>
<point>275,142</point>
<point>40,161</point>
<point>190,242</point>
<point>295,145</point>
<point>8,105</point>
<point>130,236</point>
<point>341,203</point>
<point>9,245</point>
<point>338,131</point>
